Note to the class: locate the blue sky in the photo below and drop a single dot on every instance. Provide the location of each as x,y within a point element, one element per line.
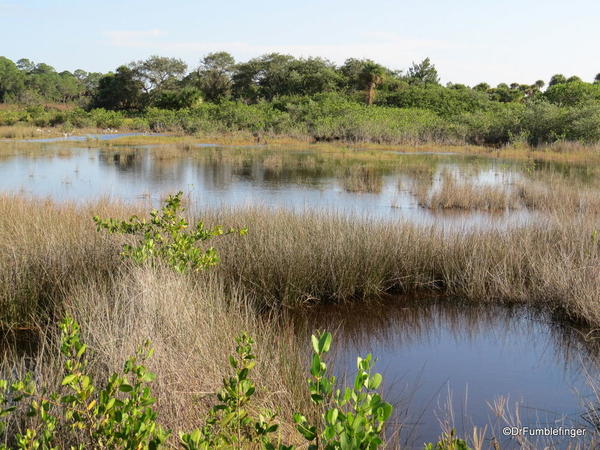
<point>469,41</point>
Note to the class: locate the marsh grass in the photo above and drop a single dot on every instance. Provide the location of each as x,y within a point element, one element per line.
<point>362,179</point>
<point>296,258</point>
<point>52,262</point>
<point>467,195</point>
<point>555,195</point>
<point>192,324</point>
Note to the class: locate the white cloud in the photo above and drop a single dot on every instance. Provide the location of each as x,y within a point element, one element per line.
<point>134,38</point>
<point>387,48</point>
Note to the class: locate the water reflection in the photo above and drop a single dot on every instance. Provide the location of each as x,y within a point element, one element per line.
<point>376,184</point>
<point>427,348</point>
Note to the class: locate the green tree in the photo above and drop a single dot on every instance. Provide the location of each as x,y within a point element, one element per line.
<point>423,73</point>
<point>371,76</point>
<point>89,81</point>
<point>572,93</point>
<point>482,87</point>
<point>504,94</point>
<point>351,70</point>
<point>11,80</point>
<point>215,75</point>
<point>557,79</point>
<point>158,72</point>
<point>69,87</point>
<point>312,76</point>
<point>120,90</point>
<point>264,77</point>
<point>25,65</point>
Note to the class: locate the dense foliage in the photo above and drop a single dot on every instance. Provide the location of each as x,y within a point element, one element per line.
<point>280,94</point>
<point>118,413</point>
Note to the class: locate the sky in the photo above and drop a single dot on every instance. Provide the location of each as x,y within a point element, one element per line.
<point>468,41</point>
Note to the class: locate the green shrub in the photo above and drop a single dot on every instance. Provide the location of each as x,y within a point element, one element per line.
<point>80,118</point>
<point>8,117</point>
<point>353,418</point>
<point>229,423</point>
<point>449,442</point>
<point>442,100</point>
<point>572,93</point>
<point>103,118</point>
<point>165,237</point>
<point>119,413</point>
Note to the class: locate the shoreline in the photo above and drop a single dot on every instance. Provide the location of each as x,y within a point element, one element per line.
<point>565,152</point>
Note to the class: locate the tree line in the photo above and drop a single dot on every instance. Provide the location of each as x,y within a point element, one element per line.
<point>167,83</point>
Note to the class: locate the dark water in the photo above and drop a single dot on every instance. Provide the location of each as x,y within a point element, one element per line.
<point>439,353</point>
<point>427,350</point>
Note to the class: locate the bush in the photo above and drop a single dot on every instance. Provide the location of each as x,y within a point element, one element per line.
<point>103,118</point>
<point>118,413</point>
<point>442,100</point>
<point>164,237</point>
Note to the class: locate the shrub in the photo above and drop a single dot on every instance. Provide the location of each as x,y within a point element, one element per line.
<point>442,100</point>
<point>164,237</point>
<point>119,414</point>
<point>103,118</point>
<point>353,418</point>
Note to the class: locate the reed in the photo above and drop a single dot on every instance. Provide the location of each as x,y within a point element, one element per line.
<point>296,258</point>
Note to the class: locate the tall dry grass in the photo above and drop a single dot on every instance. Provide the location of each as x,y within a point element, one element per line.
<point>296,258</point>
<point>467,195</point>
<point>52,262</point>
<point>192,324</point>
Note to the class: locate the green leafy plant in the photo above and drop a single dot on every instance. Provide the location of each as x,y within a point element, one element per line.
<point>229,423</point>
<point>120,414</point>
<point>353,418</point>
<point>448,442</point>
<point>117,415</point>
<point>166,236</point>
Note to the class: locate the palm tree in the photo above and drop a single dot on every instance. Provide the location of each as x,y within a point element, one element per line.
<point>371,76</point>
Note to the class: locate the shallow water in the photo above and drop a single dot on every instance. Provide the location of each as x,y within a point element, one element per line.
<point>85,137</point>
<point>426,349</point>
<point>350,182</point>
<point>430,349</point>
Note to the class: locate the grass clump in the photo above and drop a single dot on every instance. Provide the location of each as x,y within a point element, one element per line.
<point>453,194</point>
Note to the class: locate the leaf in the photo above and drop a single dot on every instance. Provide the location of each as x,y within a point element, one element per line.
<point>325,342</point>
<point>315,343</point>
<point>148,377</point>
<point>68,379</point>
<point>315,367</point>
<point>375,381</point>
<point>332,415</point>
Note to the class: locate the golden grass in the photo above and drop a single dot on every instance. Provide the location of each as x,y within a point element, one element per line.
<point>292,259</point>
<point>53,261</point>
<point>556,195</point>
<point>362,179</point>
<point>454,194</point>
<point>192,324</point>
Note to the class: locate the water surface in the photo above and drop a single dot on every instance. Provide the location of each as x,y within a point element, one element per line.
<point>439,353</point>
<point>352,182</point>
